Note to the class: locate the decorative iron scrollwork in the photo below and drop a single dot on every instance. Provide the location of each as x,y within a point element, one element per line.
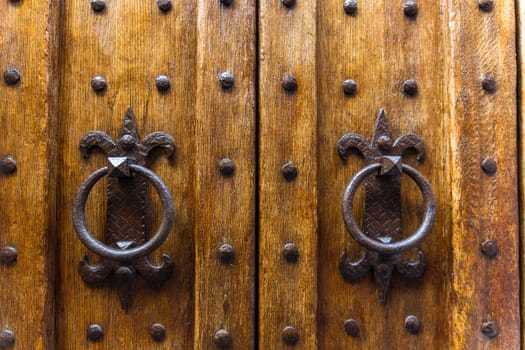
<point>126,250</point>
<point>382,217</point>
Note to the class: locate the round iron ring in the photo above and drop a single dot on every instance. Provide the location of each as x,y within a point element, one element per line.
<point>395,247</point>
<point>79,219</point>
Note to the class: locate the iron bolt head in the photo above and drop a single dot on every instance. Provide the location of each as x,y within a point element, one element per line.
<point>11,76</point>
<point>350,7</point>
<point>409,87</point>
<point>291,252</point>
<point>8,165</point>
<point>410,8</point>
<point>349,87</point>
<point>162,83</point>
<point>226,254</point>
<point>489,166</point>
<point>488,83</point>
<point>384,143</point>
<point>351,327</point>
<point>290,335</point>
<point>289,171</point>
<point>7,339</point>
<point>98,5</point>
<point>98,83</point>
<point>226,2</point>
<point>489,248</point>
<point>226,80</point>
<point>157,332</point>
<point>412,324</point>
<point>289,83</point>
<point>127,142</point>
<point>490,329</point>
<point>288,3</point>
<point>95,332</point>
<point>8,255</point>
<point>164,5</point>
<point>486,5</point>
<point>226,166</point>
<point>222,339</point>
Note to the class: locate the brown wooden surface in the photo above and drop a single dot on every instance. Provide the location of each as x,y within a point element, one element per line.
<point>28,42</point>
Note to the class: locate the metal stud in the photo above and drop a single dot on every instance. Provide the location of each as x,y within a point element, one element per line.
<point>409,87</point>
<point>8,165</point>
<point>98,5</point>
<point>488,83</point>
<point>157,332</point>
<point>7,339</point>
<point>486,5</point>
<point>384,143</point>
<point>226,166</point>
<point>289,171</point>
<point>8,255</point>
<point>490,329</point>
<point>290,335</point>
<point>489,248</point>
<point>349,87</point>
<point>222,339</point>
<point>351,327</point>
<point>291,252</point>
<point>226,80</point>
<point>289,83</point>
<point>350,7</point>
<point>164,5</point>
<point>226,254</point>
<point>162,83</point>
<point>288,3</point>
<point>14,2</point>
<point>489,166</point>
<point>412,324</point>
<point>98,83</point>
<point>11,76</point>
<point>410,8</point>
<point>95,332</point>
<point>226,2</point>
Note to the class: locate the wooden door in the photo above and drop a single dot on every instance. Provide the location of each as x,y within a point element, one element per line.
<point>256,96</point>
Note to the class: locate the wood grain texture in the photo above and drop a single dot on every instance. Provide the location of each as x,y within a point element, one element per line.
<point>28,42</point>
<point>129,43</point>
<point>520,32</point>
<point>225,210</point>
<point>287,209</point>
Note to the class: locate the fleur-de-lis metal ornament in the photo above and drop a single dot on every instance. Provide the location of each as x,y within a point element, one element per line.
<point>126,248</point>
<point>382,215</point>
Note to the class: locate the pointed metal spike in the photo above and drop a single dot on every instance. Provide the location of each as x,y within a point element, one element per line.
<point>383,274</point>
<point>129,126</point>
<point>381,127</point>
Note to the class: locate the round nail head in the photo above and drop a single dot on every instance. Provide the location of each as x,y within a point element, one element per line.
<point>291,252</point>
<point>226,80</point>
<point>350,87</point>
<point>488,83</point>
<point>8,165</point>
<point>486,5</point>
<point>95,332</point>
<point>490,329</point>
<point>157,332</point>
<point>289,83</point>
<point>384,143</point>
<point>164,5</point>
<point>226,2</point>
<point>410,8</point>
<point>222,339</point>
<point>290,335</point>
<point>7,339</point>
<point>409,87</point>
<point>351,327</point>
<point>489,166</point>
<point>98,83</point>
<point>350,7</point>
<point>412,324</point>
<point>127,142</point>
<point>289,171</point>
<point>489,248</point>
<point>98,5</point>
<point>162,83</point>
<point>226,166</point>
<point>288,3</point>
<point>226,254</point>
<point>8,255</point>
<point>11,76</point>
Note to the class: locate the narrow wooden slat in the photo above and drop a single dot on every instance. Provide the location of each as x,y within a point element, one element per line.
<point>520,32</point>
<point>129,43</point>
<point>287,209</point>
<point>225,128</point>
<point>28,42</point>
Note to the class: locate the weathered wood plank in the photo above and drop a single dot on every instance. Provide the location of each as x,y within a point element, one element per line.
<point>225,210</point>
<point>28,42</point>
<point>287,208</point>
<point>129,43</point>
